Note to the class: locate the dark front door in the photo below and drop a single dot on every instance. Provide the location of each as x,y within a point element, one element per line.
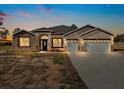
<point>44,45</point>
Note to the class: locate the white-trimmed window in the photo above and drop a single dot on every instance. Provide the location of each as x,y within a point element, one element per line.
<point>57,42</point>
<point>24,41</point>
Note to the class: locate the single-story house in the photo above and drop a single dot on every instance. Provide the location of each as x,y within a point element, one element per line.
<point>64,38</point>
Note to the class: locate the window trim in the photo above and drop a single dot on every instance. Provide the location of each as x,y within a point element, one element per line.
<point>24,37</point>
<point>61,43</point>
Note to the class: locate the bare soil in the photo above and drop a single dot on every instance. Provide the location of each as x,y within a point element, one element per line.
<point>44,71</point>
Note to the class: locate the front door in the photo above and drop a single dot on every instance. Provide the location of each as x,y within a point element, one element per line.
<point>44,45</point>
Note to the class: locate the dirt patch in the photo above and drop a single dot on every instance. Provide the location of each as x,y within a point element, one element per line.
<point>46,71</point>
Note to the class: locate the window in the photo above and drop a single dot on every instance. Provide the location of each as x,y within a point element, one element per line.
<point>57,42</point>
<point>24,41</point>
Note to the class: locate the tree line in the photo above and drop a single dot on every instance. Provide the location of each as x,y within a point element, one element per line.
<point>119,38</point>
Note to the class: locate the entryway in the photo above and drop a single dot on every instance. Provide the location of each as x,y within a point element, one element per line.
<point>44,45</point>
<point>44,42</point>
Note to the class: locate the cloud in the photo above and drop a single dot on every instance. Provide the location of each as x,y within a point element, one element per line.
<point>1,19</point>
<point>2,13</point>
<point>26,14</point>
<point>1,23</point>
<point>47,8</point>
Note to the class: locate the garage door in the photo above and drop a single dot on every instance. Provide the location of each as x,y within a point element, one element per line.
<point>72,45</point>
<point>98,47</point>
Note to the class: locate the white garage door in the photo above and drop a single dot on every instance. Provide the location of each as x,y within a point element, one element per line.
<point>102,47</point>
<point>72,45</point>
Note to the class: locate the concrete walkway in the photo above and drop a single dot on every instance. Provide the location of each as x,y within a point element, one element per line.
<point>100,70</point>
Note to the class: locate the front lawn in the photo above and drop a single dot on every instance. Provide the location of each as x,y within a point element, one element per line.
<point>33,70</point>
<point>5,48</point>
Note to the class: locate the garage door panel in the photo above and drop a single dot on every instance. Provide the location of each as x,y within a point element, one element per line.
<point>72,46</point>
<point>98,47</point>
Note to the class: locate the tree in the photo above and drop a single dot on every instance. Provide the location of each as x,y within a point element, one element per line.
<point>6,32</point>
<point>16,30</point>
<point>3,32</point>
<point>73,26</point>
<point>119,38</point>
<point>1,23</point>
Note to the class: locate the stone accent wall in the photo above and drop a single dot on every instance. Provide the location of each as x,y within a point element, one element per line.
<point>58,49</point>
<point>33,42</point>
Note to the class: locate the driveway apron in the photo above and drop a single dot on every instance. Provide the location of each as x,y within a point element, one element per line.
<point>100,70</point>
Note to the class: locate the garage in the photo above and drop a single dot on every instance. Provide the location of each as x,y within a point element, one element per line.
<point>89,39</point>
<point>102,46</point>
<point>72,45</point>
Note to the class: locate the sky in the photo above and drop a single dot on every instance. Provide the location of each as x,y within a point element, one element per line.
<point>31,16</point>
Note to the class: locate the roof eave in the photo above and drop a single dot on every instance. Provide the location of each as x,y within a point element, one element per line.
<point>23,31</point>
<point>78,29</point>
<point>97,29</point>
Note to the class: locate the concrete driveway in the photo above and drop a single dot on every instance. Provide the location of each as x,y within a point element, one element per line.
<point>103,70</point>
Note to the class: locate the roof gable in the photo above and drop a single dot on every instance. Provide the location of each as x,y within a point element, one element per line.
<point>61,29</point>
<point>22,32</point>
<point>97,34</point>
<point>84,28</point>
<point>99,30</point>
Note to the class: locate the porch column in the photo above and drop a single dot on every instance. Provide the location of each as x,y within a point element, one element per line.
<point>80,44</point>
<point>49,43</point>
<point>65,44</point>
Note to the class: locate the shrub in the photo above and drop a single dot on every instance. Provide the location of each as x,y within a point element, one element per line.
<point>59,59</point>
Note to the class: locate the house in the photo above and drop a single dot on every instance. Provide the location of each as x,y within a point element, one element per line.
<point>64,38</point>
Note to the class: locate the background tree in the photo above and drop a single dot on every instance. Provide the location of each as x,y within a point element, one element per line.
<point>3,33</point>
<point>119,38</point>
<point>1,23</point>
<point>16,30</point>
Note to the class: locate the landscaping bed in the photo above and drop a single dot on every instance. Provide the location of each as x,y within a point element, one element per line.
<point>38,71</point>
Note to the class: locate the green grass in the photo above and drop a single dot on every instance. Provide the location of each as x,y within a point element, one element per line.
<point>5,48</point>
<point>59,59</point>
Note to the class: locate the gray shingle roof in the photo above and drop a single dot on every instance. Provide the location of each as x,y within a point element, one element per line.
<point>23,31</point>
<point>90,31</point>
<point>84,28</point>
<point>61,29</point>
